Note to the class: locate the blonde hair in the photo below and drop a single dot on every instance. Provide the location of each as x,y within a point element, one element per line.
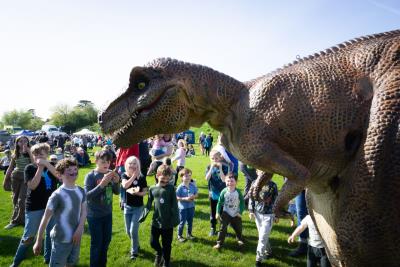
<point>215,153</point>
<point>133,159</point>
<point>182,143</point>
<point>41,147</point>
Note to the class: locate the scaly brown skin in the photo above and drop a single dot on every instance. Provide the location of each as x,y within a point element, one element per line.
<point>329,122</point>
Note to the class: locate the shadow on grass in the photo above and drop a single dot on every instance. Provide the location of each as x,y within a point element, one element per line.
<point>9,245</point>
<point>185,263</point>
<point>283,229</point>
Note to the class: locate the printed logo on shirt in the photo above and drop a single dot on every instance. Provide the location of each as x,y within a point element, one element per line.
<point>135,182</point>
<point>161,200</point>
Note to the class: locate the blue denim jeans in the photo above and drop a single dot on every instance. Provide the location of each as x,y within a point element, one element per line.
<point>32,222</point>
<point>185,215</point>
<point>64,254</point>
<point>132,215</point>
<point>100,232</point>
<point>302,211</point>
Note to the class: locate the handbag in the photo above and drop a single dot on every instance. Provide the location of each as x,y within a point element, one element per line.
<point>7,183</point>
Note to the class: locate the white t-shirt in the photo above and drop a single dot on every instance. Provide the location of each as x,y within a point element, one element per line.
<point>314,239</point>
<point>180,156</point>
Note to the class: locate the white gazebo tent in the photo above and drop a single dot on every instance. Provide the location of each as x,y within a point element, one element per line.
<point>85,132</point>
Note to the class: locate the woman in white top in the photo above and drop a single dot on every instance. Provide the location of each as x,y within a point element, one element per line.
<point>180,157</point>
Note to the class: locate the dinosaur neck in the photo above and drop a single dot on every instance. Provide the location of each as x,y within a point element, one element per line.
<point>214,95</point>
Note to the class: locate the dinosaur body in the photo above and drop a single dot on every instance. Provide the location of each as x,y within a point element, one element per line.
<point>329,123</point>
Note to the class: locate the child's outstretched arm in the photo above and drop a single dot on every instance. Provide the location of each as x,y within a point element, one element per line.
<point>297,232</point>
<point>37,247</point>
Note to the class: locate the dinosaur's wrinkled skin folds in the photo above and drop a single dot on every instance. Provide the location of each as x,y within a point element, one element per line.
<point>329,123</point>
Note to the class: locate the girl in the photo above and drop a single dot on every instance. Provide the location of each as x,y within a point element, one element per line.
<point>41,180</point>
<point>22,156</point>
<point>135,185</point>
<point>215,175</point>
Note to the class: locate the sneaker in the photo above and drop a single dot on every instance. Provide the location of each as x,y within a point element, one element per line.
<point>217,246</point>
<point>212,232</point>
<point>181,239</point>
<point>190,237</point>
<point>159,260</point>
<point>10,226</point>
<point>301,250</point>
<point>240,243</point>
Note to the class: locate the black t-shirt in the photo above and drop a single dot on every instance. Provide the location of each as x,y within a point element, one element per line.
<point>134,200</point>
<point>37,199</point>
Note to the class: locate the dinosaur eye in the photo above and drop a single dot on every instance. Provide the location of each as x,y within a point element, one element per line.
<point>141,85</point>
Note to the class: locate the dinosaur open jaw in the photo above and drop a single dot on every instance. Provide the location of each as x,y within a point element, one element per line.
<point>131,121</point>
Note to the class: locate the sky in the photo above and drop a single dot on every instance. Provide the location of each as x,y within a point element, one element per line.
<point>56,53</point>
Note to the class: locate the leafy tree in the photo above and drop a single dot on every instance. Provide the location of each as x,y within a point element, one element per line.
<point>72,119</point>
<point>22,118</point>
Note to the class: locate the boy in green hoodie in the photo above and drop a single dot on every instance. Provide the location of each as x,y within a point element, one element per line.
<point>165,216</point>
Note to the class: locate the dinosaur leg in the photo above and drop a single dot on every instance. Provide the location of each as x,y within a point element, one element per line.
<point>371,215</point>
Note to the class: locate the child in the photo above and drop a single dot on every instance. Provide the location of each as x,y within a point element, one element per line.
<point>229,210</point>
<point>180,158</point>
<point>167,161</point>
<point>5,161</point>
<point>190,152</point>
<point>59,153</point>
<point>165,216</point>
<point>41,181</point>
<point>215,175</point>
<point>161,146</point>
<point>135,185</point>
<point>316,251</point>
<point>186,194</point>
<point>262,212</point>
<point>15,174</point>
<point>67,205</point>
<point>100,184</point>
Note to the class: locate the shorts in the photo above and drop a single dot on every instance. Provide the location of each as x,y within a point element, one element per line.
<point>63,254</point>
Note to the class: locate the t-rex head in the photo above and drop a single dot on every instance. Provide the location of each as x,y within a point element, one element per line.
<point>161,98</point>
<point>156,101</point>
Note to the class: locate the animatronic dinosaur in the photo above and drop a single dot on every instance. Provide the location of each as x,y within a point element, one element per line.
<point>328,122</point>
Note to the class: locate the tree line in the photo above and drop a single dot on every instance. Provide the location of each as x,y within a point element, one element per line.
<point>70,119</point>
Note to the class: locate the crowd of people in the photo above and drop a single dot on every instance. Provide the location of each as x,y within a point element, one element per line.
<point>46,199</point>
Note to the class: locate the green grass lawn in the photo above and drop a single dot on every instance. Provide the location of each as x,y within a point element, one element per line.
<point>198,252</point>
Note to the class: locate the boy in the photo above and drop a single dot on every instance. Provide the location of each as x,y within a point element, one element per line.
<point>67,205</point>
<point>316,251</point>
<point>165,216</point>
<point>41,181</point>
<point>229,210</point>
<point>186,194</point>
<point>100,184</point>
<point>261,211</point>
